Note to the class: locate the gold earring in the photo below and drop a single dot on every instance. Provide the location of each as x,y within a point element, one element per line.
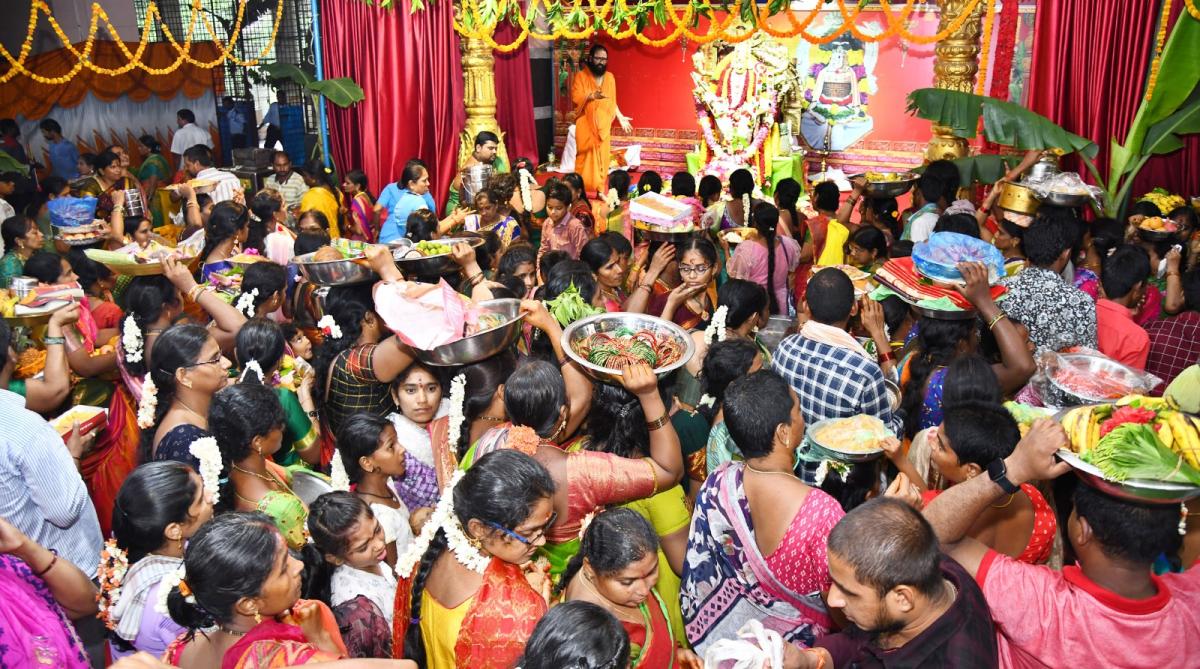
<point>257,617</point>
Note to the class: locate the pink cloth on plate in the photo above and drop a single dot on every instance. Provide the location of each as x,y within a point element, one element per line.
<point>423,316</point>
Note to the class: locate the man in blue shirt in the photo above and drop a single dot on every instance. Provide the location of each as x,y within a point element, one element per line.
<point>64,157</point>
<point>408,194</point>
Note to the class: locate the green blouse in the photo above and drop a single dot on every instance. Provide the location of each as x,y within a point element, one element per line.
<point>11,265</point>
<point>299,433</point>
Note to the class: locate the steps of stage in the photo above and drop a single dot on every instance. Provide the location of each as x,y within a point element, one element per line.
<point>664,150</point>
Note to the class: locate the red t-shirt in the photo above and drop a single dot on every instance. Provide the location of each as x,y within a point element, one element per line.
<point>1119,337</point>
<point>1049,619</point>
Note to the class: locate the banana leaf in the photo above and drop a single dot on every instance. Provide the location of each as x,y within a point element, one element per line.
<point>1003,122</point>
<point>986,168</point>
<point>1178,76</point>
<point>341,91</point>
<point>1164,137</point>
<point>289,72</point>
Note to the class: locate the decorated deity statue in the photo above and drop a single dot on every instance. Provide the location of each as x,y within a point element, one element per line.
<point>837,83</point>
<point>838,78</point>
<point>735,106</point>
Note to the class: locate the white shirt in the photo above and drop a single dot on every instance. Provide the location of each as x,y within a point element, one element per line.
<point>41,492</point>
<point>348,583</point>
<point>188,136</point>
<point>227,184</point>
<point>922,227</point>
<point>6,211</point>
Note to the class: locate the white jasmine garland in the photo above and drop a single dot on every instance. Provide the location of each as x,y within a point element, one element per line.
<point>442,518</point>
<point>467,555</point>
<point>746,218</point>
<point>131,340</point>
<point>148,404</point>
<point>612,198</point>
<point>458,398</point>
<point>716,327</point>
<point>338,478</point>
<point>329,327</point>
<point>527,181</point>
<point>706,400</point>
<point>253,366</point>
<point>821,473</point>
<point>245,303</point>
<point>169,583</point>
<point>206,451</point>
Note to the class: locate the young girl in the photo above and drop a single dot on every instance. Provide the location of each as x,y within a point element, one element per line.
<point>160,506</point>
<point>678,291</point>
<point>562,231</point>
<point>362,207</point>
<point>418,394</point>
<point>264,288</point>
<point>581,207</point>
<point>261,353</point>
<point>247,421</point>
<point>362,587</point>
<point>372,458</point>
<point>616,568</point>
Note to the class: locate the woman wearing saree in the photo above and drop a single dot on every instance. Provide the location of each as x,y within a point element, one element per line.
<point>322,195</point>
<point>681,291</point>
<point>39,596</point>
<point>617,568</point>
<point>605,263</point>
<point>464,598</point>
<point>110,176</point>
<point>240,583</point>
<point>261,350</point>
<point>756,550</point>
<point>153,173</point>
<point>361,207</point>
<point>535,399</point>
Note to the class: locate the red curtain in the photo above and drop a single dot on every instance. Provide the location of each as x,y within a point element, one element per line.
<point>1090,63</point>
<point>514,97</point>
<point>409,66</point>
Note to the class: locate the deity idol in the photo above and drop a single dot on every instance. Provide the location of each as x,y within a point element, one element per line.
<point>837,83</point>
<point>741,110</point>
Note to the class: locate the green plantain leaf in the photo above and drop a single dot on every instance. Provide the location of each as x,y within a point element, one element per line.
<point>986,168</point>
<point>1003,122</point>
<point>341,91</point>
<point>289,72</point>
<point>1178,76</point>
<point>1163,137</point>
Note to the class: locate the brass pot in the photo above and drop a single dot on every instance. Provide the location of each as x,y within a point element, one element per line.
<point>1018,198</point>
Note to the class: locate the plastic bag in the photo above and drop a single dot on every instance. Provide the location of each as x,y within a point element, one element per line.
<point>423,316</point>
<point>1063,183</point>
<point>72,212</point>
<point>1085,376</point>
<point>755,648</point>
<point>937,258</point>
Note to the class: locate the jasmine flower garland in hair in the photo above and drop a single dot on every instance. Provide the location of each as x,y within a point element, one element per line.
<point>443,518</point>
<point>148,404</point>
<point>329,327</point>
<point>458,398</point>
<point>339,480</point>
<point>131,340</point>
<point>253,366</point>
<point>113,565</point>
<point>206,451</point>
<point>612,198</point>
<point>245,303</point>
<point>527,181</point>
<point>716,327</point>
<point>171,581</point>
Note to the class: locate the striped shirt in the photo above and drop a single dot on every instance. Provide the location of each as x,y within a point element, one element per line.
<point>227,186</point>
<point>292,188</point>
<point>41,492</point>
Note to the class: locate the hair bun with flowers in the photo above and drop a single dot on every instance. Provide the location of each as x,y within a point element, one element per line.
<point>253,366</point>
<point>174,579</point>
<point>131,340</point>
<point>208,453</point>
<point>329,327</point>
<point>716,327</point>
<point>443,519</point>
<point>339,480</point>
<point>245,302</point>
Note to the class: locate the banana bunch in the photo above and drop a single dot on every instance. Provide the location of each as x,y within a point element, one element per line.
<point>1151,403</point>
<point>1082,425</point>
<point>8,303</point>
<point>1180,433</point>
<point>1165,200</point>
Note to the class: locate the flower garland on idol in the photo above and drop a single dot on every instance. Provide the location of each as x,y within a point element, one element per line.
<point>443,518</point>
<point>721,153</point>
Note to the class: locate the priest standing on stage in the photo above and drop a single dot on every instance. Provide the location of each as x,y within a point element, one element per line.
<point>594,94</point>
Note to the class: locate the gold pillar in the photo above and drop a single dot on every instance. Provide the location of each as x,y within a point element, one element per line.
<point>479,97</point>
<point>956,62</point>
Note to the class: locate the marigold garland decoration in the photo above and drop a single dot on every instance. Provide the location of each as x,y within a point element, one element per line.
<point>1159,40</point>
<point>985,48</point>
<point>153,17</point>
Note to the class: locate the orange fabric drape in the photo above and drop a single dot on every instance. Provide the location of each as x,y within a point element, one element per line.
<point>21,96</point>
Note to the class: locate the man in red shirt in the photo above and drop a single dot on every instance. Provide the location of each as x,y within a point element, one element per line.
<point>1124,280</point>
<point>1175,342</point>
<point>1104,611</point>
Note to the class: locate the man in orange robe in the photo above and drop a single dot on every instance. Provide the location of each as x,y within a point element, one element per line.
<point>594,94</point>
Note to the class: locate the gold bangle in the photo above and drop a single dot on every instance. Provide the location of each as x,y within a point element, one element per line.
<point>195,292</point>
<point>661,421</point>
<point>997,319</point>
<point>653,475</point>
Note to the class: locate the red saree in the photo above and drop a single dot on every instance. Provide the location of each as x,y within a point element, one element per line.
<point>113,456</point>
<point>652,646</point>
<point>501,619</point>
<point>272,645</point>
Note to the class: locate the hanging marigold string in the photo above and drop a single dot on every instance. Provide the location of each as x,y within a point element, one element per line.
<point>615,19</point>
<point>134,58</point>
<point>1159,40</point>
<point>985,48</point>
<point>1192,9</point>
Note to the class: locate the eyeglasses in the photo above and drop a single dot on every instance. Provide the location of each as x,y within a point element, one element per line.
<point>694,269</point>
<point>202,363</point>
<point>529,540</point>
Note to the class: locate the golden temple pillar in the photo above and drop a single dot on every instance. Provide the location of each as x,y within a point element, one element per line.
<point>479,97</point>
<point>956,62</point>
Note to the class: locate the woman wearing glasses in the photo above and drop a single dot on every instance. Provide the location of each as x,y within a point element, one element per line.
<point>535,400</point>
<point>185,373</point>
<point>463,598</point>
<point>681,291</point>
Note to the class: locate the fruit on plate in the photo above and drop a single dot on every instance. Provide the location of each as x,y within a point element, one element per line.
<point>430,248</point>
<point>1158,224</point>
<point>1139,437</point>
<point>884,177</point>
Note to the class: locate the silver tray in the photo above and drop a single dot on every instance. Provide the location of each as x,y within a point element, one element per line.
<point>1134,490</point>
<point>835,454</point>
<point>612,321</point>
<point>480,345</point>
<point>429,265</point>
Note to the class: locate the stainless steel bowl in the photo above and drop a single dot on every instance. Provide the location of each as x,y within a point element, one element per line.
<point>609,322</point>
<point>830,453</point>
<point>1136,490</point>
<point>309,485</point>
<point>334,272</point>
<point>481,345</point>
<point>1090,365</point>
<point>1065,199</point>
<point>882,189</point>
<point>429,265</point>
<point>894,394</point>
<point>645,231</point>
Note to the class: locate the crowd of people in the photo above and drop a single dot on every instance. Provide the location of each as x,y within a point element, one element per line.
<point>280,481</point>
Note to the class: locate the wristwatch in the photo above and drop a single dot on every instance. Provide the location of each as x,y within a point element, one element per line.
<point>998,473</point>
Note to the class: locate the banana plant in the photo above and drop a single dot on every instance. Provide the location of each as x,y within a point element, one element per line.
<point>341,91</point>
